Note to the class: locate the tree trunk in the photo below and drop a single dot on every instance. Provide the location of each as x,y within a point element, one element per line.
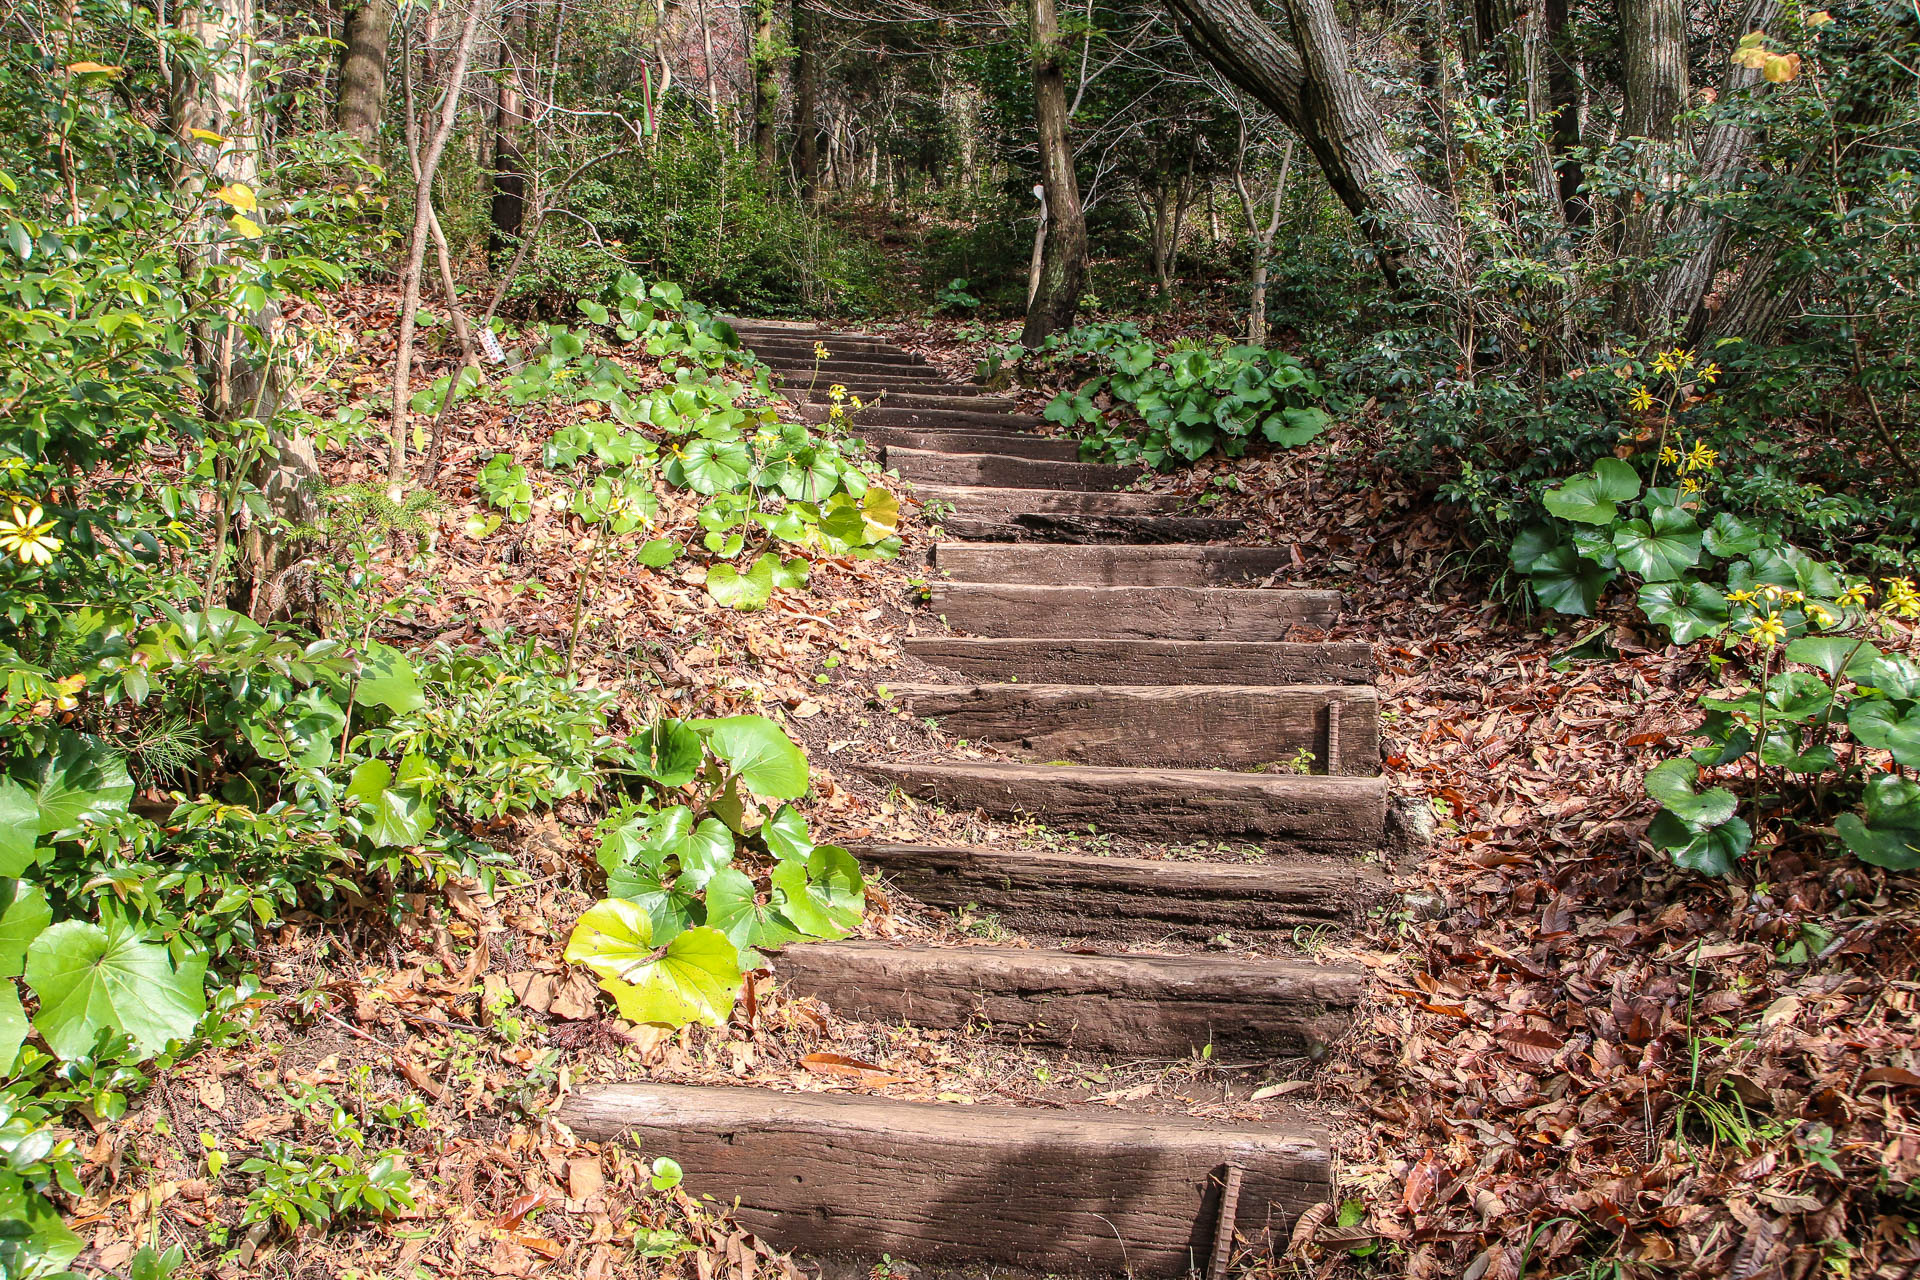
<point>1653,60</point>
<point>806,132</point>
<point>508,207</point>
<point>363,70</point>
<point>1314,89</point>
<point>1261,236</point>
<point>417,245</point>
<point>766,89</point>
<point>1064,272</point>
<point>1564,74</point>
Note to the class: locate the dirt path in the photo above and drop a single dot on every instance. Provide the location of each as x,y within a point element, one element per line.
<point>1148,683</point>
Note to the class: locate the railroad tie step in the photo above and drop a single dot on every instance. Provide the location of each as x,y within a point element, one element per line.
<point>997,501</point>
<point>1013,443</point>
<point>1287,813</point>
<point>1070,659</point>
<point>999,470</point>
<point>1143,1005</point>
<point>1133,613</point>
<point>963,396</point>
<point>794,369</point>
<point>837,349</point>
<point>1050,894</point>
<point>1306,728</point>
<point>1060,1190</point>
<point>1108,566</point>
<point>889,413</point>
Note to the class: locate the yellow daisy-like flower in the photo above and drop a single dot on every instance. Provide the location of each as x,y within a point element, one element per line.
<point>1702,457</point>
<point>820,351</point>
<point>1821,615</point>
<point>1669,456</point>
<point>1741,597</point>
<point>27,537</point>
<point>836,393</point>
<point>1689,485</point>
<point>1708,372</point>
<point>1682,357</point>
<point>1856,594</point>
<point>1665,363</point>
<point>1902,598</point>
<point>1768,632</point>
<point>1641,400</point>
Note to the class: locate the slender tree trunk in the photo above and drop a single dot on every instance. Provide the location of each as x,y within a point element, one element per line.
<point>706,61</point>
<point>766,89</point>
<point>507,209</point>
<point>1653,61</point>
<point>806,90</point>
<point>1063,273</point>
<point>1261,236</point>
<point>417,244</point>
<point>363,70</point>
<point>1564,75</point>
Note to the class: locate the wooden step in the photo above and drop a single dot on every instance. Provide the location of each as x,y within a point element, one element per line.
<point>1019,446</point>
<point>848,372</point>
<point>1056,1190</point>
<point>1130,613</point>
<point>1043,894</point>
<point>964,396</point>
<point>1002,502</point>
<point>1140,1005</point>
<point>837,347</point>
<point>888,413</point>
<point>999,470</point>
<point>1108,566</point>
<point>1292,813</point>
<point>1217,726</point>
<point>1072,527</point>
<point>1061,660</point>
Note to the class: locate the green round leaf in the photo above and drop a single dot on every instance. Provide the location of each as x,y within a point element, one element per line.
<point>88,979</point>
<point>387,680</point>
<point>81,780</point>
<point>716,466</point>
<point>24,915</point>
<point>759,751</point>
<point>694,978</point>
<point>1662,550</point>
<point>1880,724</point>
<point>1688,610</point>
<point>1671,782</point>
<point>743,591</point>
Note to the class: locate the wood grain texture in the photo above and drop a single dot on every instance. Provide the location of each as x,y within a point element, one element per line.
<point>1068,528</point>
<point>1005,471</point>
<point>956,396</point>
<point>1130,613</point>
<point>1108,566</point>
<point>889,414</point>
<point>1066,660</point>
<point>796,369</point>
<point>1055,1190</point>
<point>837,348</point>
<point>1177,726</point>
<point>1289,813</point>
<point>1042,894</point>
<point>985,500</point>
<point>1017,445</point>
<point>1142,1005</point>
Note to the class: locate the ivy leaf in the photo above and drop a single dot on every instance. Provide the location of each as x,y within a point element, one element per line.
<point>1729,536</point>
<point>79,781</point>
<point>823,896</point>
<point>669,753</point>
<point>1890,835</point>
<point>1712,852</point>
<point>716,466</point>
<point>1832,654</point>
<point>760,752</point>
<point>694,978</point>
<point>387,680</point>
<point>1878,723</point>
<point>1688,610</point>
<point>1662,550</point>
<point>733,908</point>
<point>786,835</point>
<point>1291,428</point>
<point>90,979</point>
<point>24,916</point>
<point>1671,782</point>
<point>743,591</point>
<point>19,828</point>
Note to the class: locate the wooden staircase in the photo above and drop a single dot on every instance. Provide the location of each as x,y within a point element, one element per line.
<point>1097,627</point>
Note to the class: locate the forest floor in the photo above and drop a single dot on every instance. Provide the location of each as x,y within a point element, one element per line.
<point>1571,1057</point>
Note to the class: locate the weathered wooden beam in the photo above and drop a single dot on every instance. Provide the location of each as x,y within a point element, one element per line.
<point>1143,613</point>
<point>1062,660</point>
<point>1108,566</point>
<point>998,470</point>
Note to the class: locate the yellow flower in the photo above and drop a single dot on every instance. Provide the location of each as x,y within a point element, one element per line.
<point>1641,400</point>
<point>1768,632</point>
<point>1682,357</point>
<point>1665,363</point>
<point>836,393</point>
<point>1821,615</point>
<point>1708,372</point>
<point>1902,599</point>
<point>1669,456</point>
<point>820,351</point>
<point>856,403</point>
<point>1689,485</point>
<point>1856,594</point>
<point>1702,456</point>
<point>1740,597</point>
<point>28,537</point>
